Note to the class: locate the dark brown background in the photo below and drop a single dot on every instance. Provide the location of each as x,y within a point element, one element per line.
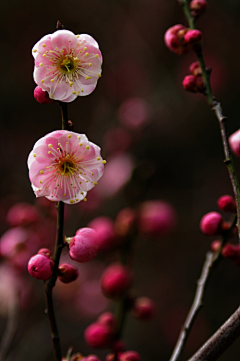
<point>181,143</point>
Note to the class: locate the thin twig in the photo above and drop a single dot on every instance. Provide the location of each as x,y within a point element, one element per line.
<point>197,304</point>
<point>227,334</point>
<point>220,341</point>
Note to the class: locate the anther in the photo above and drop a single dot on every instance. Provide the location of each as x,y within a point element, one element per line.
<point>44,55</point>
<point>41,171</point>
<point>69,136</point>
<point>85,199</point>
<point>96,56</point>
<point>34,154</point>
<point>104,162</point>
<point>52,80</point>
<point>44,45</point>
<point>42,81</point>
<point>95,183</point>
<point>49,145</point>
<point>41,64</point>
<point>86,54</point>
<point>98,158</point>
<point>85,48</point>
<point>87,147</point>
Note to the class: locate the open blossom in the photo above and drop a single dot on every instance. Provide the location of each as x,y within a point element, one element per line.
<point>67,65</point>
<point>64,166</point>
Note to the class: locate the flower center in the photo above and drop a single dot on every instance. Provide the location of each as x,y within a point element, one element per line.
<point>66,168</point>
<point>67,65</point>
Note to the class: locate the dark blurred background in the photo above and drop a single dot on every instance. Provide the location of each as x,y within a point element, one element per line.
<point>175,154</point>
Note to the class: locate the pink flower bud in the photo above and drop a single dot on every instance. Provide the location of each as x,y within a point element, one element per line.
<point>92,358</point>
<point>234,142</point>
<point>125,221</point>
<point>144,308</point>
<point>195,69</point>
<point>232,252</point>
<point>156,218</point>
<point>40,267</point>
<point>83,247</point>
<point>190,83</point>
<point>197,7</point>
<point>41,96</point>
<point>227,204</point>
<point>193,84</point>
<point>67,273</point>
<point>215,245</point>
<point>22,214</point>
<point>104,227</point>
<point>109,320</point>
<point>174,39</point>
<point>129,356</point>
<point>193,37</point>
<point>97,335</point>
<point>211,223</point>
<point>45,252</point>
<point>115,280</point>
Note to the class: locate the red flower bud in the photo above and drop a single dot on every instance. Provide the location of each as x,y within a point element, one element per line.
<point>144,308</point>
<point>115,280</point>
<point>193,37</point>
<point>211,223</point>
<point>67,273</point>
<point>197,7</point>
<point>40,267</point>
<point>227,204</point>
<point>174,39</point>
<point>42,96</point>
<point>190,83</point>
<point>97,335</point>
<point>234,142</point>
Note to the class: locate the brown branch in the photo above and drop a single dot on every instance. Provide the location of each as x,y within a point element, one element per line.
<point>197,304</point>
<point>220,341</point>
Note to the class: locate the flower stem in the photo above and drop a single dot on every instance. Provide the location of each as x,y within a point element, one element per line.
<point>50,283</point>
<point>64,114</point>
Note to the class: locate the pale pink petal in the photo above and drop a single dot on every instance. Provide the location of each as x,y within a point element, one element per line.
<point>89,39</point>
<point>63,39</point>
<point>38,47</point>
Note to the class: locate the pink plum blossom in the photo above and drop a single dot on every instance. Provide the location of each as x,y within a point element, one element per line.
<point>67,65</point>
<point>64,166</point>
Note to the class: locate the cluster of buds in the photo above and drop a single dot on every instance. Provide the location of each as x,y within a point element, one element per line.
<point>101,334</point>
<point>124,356</point>
<point>83,248</point>
<point>194,82</point>
<point>197,7</point>
<point>180,39</point>
<point>212,223</point>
